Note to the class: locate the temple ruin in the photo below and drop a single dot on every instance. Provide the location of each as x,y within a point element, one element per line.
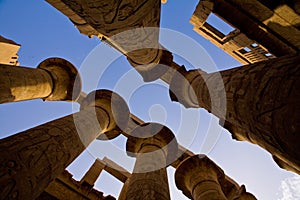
<point>257,102</point>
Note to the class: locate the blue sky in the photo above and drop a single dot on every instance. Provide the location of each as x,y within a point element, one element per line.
<point>44,32</point>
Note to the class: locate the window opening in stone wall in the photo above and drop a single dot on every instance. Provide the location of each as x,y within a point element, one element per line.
<point>219,24</point>
<point>254,45</point>
<point>268,54</point>
<point>244,50</point>
<point>107,189</point>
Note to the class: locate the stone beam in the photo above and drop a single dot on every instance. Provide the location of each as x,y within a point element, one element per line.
<point>54,79</point>
<point>91,176</point>
<point>256,102</point>
<point>30,160</point>
<point>114,169</point>
<point>65,187</point>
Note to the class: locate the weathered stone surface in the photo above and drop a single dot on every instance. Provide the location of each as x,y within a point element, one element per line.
<point>154,146</point>
<point>200,178</point>
<point>8,51</point>
<point>263,29</point>
<point>93,173</point>
<point>132,27</point>
<point>258,106</point>
<point>54,79</point>
<point>65,187</point>
<point>65,77</point>
<point>30,160</point>
<point>115,108</point>
<point>20,83</point>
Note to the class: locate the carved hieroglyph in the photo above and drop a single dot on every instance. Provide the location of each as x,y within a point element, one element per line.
<point>54,79</point>
<point>259,104</point>
<point>30,160</point>
<point>131,27</point>
<point>198,178</point>
<point>154,146</point>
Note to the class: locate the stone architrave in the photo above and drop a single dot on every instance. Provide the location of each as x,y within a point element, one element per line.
<point>54,79</point>
<point>91,176</point>
<point>31,159</point>
<point>132,27</point>
<point>154,147</point>
<point>258,103</point>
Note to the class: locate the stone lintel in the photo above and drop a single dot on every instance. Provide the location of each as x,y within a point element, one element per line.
<point>65,77</point>
<point>93,173</point>
<point>65,187</point>
<point>115,108</point>
<point>114,169</point>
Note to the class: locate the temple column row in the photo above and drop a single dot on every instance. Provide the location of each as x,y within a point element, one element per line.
<point>196,176</point>
<point>31,159</point>
<point>54,79</point>
<point>255,102</point>
<point>260,99</point>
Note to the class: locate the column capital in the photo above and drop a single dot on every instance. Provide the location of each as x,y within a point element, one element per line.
<point>152,134</point>
<point>115,108</point>
<point>194,170</point>
<point>65,77</point>
<point>149,69</point>
<point>180,88</point>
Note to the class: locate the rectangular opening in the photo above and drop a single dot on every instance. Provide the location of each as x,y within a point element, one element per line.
<point>254,45</point>
<point>244,50</point>
<point>108,184</point>
<point>268,54</point>
<point>219,24</point>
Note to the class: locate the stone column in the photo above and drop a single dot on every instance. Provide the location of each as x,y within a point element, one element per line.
<point>199,178</point>
<point>54,79</point>
<point>30,160</point>
<point>256,102</point>
<point>123,193</point>
<point>131,27</point>
<point>154,147</point>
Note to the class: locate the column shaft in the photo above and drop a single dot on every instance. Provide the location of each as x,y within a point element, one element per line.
<point>147,180</point>
<point>258,105</point>
<point>200,178</point>
<point>30,160</point>
<point>22,83</point>
<point>207,188</point>
<point>123,192</point>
